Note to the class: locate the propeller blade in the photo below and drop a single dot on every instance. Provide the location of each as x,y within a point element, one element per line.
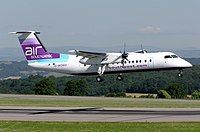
<point>124,48</point>
<point>124,55</point>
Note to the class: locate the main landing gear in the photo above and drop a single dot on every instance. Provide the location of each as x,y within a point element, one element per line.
<point>119,77</point>
<point>101,70</point>
<point>180,74</point>
<point>99,79</point>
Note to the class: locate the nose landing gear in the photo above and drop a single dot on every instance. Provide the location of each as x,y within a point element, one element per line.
<point>180,74</point>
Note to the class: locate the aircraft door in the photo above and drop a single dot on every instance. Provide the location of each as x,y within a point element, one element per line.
<point>151,63</point>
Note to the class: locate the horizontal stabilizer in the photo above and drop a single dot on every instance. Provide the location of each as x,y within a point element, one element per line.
<point>22,32</point>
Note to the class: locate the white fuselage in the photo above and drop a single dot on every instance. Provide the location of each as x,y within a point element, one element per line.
<point>136,62</point>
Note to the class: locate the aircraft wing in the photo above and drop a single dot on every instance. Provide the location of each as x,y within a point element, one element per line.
<point>96,57</point>
<point>89,54</point>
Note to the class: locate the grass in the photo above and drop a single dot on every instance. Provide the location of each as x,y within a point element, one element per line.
<point>24,126</point>
<point>59,101</point>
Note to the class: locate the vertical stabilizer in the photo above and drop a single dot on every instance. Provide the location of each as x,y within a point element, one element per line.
<point>32,47</point>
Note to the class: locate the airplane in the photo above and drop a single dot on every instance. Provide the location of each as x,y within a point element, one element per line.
<point>78,62</point>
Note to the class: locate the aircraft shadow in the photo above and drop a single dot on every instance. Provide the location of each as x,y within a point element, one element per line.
<point>95,110</point>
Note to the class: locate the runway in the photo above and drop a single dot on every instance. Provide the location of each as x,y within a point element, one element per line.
<point>92,114</point>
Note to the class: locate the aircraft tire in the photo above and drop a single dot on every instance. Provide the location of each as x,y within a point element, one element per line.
<point>99,79</point>
<point>180,75</point>
<point>119,78</point>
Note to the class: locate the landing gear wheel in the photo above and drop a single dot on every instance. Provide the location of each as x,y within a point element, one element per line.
<point>119,78</point>
<point>99,79</point>
<point>180,74</point>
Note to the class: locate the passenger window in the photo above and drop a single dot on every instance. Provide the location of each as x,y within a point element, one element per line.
<point>140,61</point>
<point>136,61</point>
<point>132,61</point>
<point>150,60</point>
<point>145,61</point>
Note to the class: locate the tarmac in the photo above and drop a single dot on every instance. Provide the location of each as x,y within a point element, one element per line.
<point>92,114</point>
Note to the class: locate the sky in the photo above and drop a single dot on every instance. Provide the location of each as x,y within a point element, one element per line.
<point>169,24</point>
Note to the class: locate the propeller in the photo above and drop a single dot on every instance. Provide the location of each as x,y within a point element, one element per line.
<point>143,51</point>
<point>124,55</point>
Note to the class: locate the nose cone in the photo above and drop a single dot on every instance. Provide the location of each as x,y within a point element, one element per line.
<point>185,64</point>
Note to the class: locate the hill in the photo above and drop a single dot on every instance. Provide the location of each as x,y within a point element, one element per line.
<point>17,68</point>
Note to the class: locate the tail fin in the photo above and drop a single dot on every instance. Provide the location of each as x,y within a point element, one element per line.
<point>32,47</point>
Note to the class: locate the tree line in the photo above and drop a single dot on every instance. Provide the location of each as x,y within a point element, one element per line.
<point>142,82</point>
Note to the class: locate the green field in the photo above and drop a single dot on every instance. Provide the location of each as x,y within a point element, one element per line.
<point>62,101</point>
<point>20,126</point>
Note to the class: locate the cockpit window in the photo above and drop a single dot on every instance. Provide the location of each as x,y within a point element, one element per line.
<point>174,56</point>
<point>167,56</point>
<point>171,56</point>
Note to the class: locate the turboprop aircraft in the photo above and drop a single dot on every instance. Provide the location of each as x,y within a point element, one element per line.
<point>78,62</point>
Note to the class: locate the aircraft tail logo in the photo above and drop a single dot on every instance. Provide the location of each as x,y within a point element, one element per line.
<point>32,47</point>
